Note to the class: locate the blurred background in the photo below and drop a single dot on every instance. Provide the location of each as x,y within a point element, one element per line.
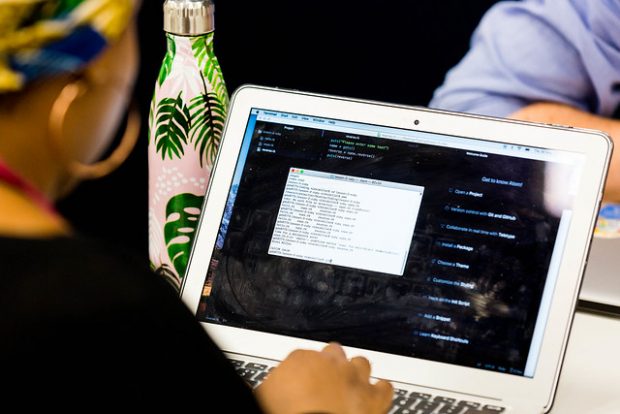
<point>394,51</point>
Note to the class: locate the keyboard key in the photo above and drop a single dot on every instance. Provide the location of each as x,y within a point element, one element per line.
<point>261,376</point>
<point>426,407</point>
<point>400,392</point>
<point>236,363</point>
<point>258,367</point>
<point>469,404</point>
<point>246,373</point>
<point>492,409</point>
<point>452,409</point>
<point>471,410</point>
<point>402,402</point>
<point>457,409</point>
<point>446,400</point>
<point>419,395</point>
<point>403,410</point>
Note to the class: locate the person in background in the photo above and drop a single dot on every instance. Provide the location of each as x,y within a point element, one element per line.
<point>82,327</point>
<point>552,61</point>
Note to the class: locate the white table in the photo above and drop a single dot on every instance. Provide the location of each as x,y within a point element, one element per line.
<point>590,379</point>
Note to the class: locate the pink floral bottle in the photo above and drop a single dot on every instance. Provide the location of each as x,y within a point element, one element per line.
<point>186,121</point>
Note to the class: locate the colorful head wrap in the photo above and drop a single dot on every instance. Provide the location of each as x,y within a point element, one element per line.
<point>46,37</point>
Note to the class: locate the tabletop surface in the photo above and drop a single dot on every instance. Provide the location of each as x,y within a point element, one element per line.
<point>590,379</point>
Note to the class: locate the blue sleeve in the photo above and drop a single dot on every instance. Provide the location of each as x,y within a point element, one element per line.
<point>565,51</point>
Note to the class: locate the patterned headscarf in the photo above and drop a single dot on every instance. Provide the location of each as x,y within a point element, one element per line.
<point>46,37</point>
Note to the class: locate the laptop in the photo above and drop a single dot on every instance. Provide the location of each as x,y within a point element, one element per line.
<point>446,248</point>
<point>601,285</point>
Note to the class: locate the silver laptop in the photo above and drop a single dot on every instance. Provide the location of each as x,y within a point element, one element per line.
<point>448,249</point>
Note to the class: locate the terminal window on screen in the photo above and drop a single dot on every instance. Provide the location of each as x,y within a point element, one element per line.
<point>410,248</point>
<point>346,221</point>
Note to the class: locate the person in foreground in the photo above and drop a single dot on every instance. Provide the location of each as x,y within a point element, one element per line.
<point>83,327</point>
<point>552,61</point>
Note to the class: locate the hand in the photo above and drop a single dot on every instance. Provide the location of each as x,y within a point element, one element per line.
<point>323,382</point>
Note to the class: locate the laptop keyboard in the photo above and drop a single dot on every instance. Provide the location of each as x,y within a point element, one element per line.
<point>405,402</point>
<point>251,372</point>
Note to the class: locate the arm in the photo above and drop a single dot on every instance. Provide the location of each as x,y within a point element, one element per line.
<point>566,115</point>
<point>539,51</point>
<point>553,61</point>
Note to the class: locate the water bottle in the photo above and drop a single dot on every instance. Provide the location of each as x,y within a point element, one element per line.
<point>186,122</point>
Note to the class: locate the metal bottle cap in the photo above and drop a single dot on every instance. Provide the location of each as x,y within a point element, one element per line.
<point>189,17</point>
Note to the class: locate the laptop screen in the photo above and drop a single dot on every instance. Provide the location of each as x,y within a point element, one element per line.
<point>423,245</point>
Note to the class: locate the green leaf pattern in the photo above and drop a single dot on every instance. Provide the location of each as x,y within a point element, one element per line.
<point>173,127</point>
<point>151,118</point>
<point>202,123</point>
<point>166,66</point>
<point>207,61</point>
<point>182,214</point>
<point>208,118</point>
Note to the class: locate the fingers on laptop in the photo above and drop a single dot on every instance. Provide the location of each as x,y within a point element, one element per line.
<point>381,392</point>
<point>326,381</point>
<point>335,351</point>
<point>384,394</point>
<point>362,367</point>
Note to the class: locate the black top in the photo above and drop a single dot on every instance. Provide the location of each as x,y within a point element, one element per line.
<point>81,327</point>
